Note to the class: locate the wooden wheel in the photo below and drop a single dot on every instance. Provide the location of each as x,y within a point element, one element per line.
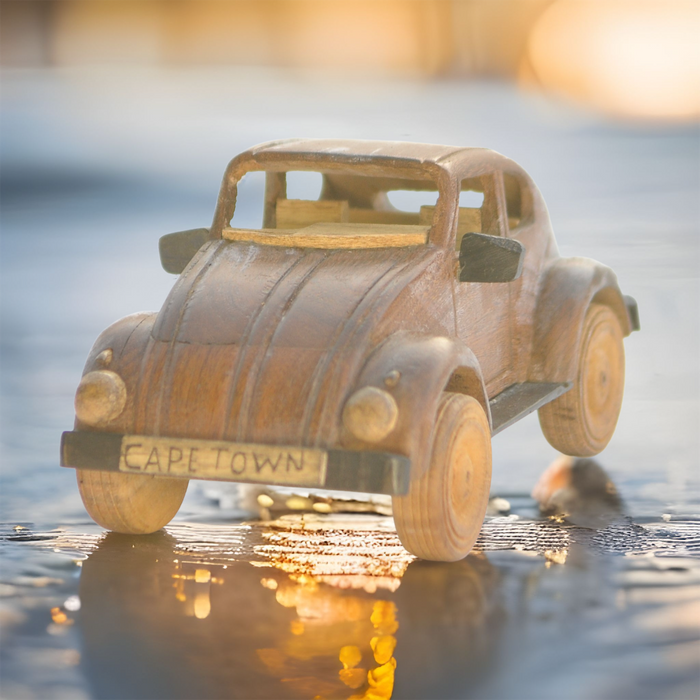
<point>130,503</point>
<point>581,422</point>
<point>441,516</point>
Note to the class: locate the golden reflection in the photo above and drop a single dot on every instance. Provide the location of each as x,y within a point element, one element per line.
<point>556,556</point>
<point>296,627</point>
<point>265,501</point>
<point>384,617</point>
<point>353,677</point>
<point>59,617</point>
<point>333,623</point>
<point>269,583</point>
<point>192,587</point>
<point>630,58</point>
<point>202,605</point>
<point>325,578</point>
<point>189,625</point>
<point>350,656</point>
<point>202,575</point>
<point>383,648</point>
<point>336,552</point>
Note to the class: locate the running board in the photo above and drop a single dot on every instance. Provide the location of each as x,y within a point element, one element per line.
<point>518,400</point>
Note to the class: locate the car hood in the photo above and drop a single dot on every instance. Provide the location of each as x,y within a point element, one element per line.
<point>261,344</point>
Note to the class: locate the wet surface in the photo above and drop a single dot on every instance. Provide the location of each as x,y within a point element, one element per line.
<point>98,165</point>
<point>333,607</point>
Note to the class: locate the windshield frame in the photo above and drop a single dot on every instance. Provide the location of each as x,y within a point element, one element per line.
<point>386,167</point>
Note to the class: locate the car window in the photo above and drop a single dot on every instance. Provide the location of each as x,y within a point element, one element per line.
<point>482,206</point>
<point>301,207</point>
<point>250,201</point>
<point>470,211</point>
<point>411,200</point>
<point>471,199</point>
<point>354,199</point>
<point>304,185</point>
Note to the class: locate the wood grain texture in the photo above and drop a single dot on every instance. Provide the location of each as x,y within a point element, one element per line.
<point>468,220</point>
<point>524,292</point>
<point>374,216</point>
<point>332,236</point>
<point>286,326</point>
<point>132,505</point>
<point>567,286</point>
<point>493,211</point>
<point>441,516</point>
<point>484,324</point>
<point>299,213</point>
<point>582,421</point>
<point>423,362</point>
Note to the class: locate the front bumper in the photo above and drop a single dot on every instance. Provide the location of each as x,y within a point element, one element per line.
<point>216,460</point>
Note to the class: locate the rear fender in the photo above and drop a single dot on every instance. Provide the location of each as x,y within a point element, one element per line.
<point>415,370</point>
<point>568,287</point>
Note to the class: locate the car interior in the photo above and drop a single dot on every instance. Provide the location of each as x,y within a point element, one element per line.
<point>357,207</point>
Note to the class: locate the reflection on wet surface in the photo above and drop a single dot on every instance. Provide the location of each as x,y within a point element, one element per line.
<point>578,491</point>
<point>334,608</point>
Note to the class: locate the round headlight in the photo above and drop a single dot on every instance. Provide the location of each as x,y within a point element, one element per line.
<point>370,414</point>
<point>100,398</point>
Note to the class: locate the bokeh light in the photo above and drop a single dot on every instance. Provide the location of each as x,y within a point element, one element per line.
<point>625,57</point>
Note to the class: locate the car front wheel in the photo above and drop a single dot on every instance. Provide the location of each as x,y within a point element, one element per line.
<point>129,503</point>
<point>441,516</point>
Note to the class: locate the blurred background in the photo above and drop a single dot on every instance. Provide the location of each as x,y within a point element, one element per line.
<point>117,119</point>
<point>636,58</point>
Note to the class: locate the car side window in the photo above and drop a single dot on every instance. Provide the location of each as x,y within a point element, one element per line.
<point>249,201</point>
<point>482,206</point>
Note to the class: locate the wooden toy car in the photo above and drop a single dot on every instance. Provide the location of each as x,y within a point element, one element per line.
<point>349,345</point>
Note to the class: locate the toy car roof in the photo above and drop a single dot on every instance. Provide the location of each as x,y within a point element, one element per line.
<point>392,165</point>
<point>351,148</point>
<point>428,157</point>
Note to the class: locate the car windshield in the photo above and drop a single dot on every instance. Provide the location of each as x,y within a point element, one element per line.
<point>346,211</point>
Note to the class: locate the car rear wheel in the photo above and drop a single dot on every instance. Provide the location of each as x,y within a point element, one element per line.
<point>581,422</point>
<point>441,516</point>
<point>129,503</point>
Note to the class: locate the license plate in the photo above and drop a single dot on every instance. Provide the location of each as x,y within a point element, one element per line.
<point>223,461</point>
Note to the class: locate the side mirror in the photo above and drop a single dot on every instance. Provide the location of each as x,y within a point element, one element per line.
<point>484,258</point>
<point>177,249</point>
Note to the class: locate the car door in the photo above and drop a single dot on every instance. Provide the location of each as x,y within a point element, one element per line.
<point>528,223</point>
<point>483,316</point>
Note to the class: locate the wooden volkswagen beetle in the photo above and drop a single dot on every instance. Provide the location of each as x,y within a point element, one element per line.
<point>350,345</point>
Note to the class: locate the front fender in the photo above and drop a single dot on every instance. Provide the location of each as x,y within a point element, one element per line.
<point>127,339</point>
<point>569,285</point>
<point>426,366</point>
